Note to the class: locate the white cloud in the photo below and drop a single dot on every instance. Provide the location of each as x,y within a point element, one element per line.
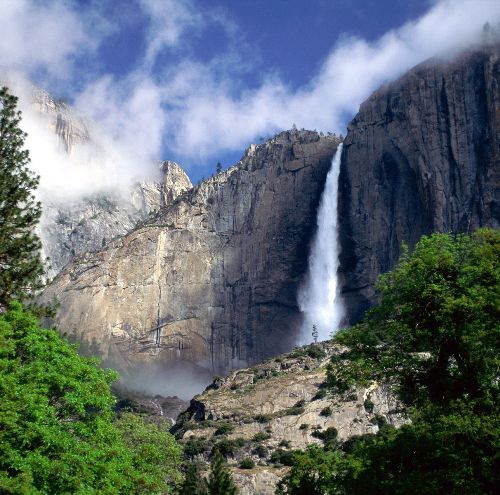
<point>207,117</point>
<point>198,110</point>
<point>41,36</point>
<point>170,20</point>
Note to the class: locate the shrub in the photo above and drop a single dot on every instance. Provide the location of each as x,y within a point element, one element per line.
<point>247,463</point>
<point>327,411</point>
<point>369,405</point>
<point>263,418</point>
<point>261,437</point>
<point>304,426</point>
<point>260,450</point>
<point>285,457</point>
<point>224,429</point>
<point>315,352</point>
<point>227,447</point>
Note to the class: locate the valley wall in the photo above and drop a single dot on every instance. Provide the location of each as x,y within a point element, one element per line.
<point>421,156</point>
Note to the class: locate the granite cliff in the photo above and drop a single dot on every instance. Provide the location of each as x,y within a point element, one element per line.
<point>212,278</point>
<point>72,225</point>
<point>421,156</point>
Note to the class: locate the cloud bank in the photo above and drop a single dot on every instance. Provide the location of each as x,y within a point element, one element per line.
<point>197,110</point>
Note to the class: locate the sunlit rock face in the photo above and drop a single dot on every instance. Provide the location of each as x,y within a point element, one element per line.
<point>72,224</point>
<point>212,279</point>
<point>421,156</point>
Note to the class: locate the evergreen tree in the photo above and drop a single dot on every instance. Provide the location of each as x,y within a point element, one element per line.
<point>315,334</point>
<point>194,483</point>
<point>218,168</point>
<point>21,268</point>
<point>220,481</point>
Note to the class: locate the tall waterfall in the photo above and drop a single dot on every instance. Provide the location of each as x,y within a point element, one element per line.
<point>319,297</point>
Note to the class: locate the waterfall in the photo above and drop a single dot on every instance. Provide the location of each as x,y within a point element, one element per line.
<point>319,297</point>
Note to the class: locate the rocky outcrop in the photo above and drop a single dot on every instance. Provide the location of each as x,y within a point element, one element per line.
<point>212,279</point>
<point>281,405</point>
<point>70,226</point>
<point>421,156</point>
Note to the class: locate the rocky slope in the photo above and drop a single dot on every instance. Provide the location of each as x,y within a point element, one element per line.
<point>71,226</point>
<point>264,412</point>
<point>421,156</point>
<point>212,280</point>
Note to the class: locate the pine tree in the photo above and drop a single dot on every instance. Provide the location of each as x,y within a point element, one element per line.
<point>194,483</point>
<point>21,268</point>
<point>218,168</point>
<point>220,481</point>
<point>315,334</point>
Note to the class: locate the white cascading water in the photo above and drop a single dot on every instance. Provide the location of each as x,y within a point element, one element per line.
<point>319,298</point>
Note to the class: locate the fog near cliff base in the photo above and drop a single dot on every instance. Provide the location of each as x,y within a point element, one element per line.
<point>319,298</point>
<point>182,380</point>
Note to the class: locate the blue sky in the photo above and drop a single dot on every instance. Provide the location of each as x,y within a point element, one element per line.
<point>199,80</point>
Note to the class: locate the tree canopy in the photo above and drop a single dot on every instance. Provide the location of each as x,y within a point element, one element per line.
<point>57,429</point>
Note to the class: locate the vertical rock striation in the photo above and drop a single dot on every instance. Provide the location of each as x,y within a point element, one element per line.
<point>212,280</point>
<point>421,156</point>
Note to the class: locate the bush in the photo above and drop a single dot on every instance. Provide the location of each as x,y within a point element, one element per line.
<point>285,457</point>
<point>327,411</point>
<point>224,429</point>
<point>369,406</point>
<point>303,426</point>
<point>228,448</point>
<point>247,463</point>
<point>260,450</point>
<point>261,437</point>
<point>196,446</point>
<point>315,352</point>
<point>263,418</point>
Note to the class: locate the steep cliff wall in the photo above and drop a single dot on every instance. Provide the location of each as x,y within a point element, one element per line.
<point>212,280</point>
<point>71,225</point>
<point>421,156</point>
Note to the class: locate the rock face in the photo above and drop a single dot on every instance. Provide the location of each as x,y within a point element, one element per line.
<point>212,279</point>
<point>71,226</point>
<point>278,406</point>
<point>421,156</point>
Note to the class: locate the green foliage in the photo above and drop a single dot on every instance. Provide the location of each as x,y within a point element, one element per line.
<point>194,483</point>
<point>20,266</point>
<point>263,418</point>
<point>285,457</point>
<point>261,436</point>
<point>155,453</point>
<point>56,421</point>
<point>260,450</point>
<point>228,448</point>
<point>368,405</point>
<point>315,472</point>
<point>326,411</point>
<point>436,332</point>
<point>247,463</point>
<point>224,429</point>
<point>220,481</point>
<point>195,446</point>
<point>435,336</point>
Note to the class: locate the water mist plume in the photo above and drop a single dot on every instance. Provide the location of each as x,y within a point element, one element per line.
<point>319,297</point>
